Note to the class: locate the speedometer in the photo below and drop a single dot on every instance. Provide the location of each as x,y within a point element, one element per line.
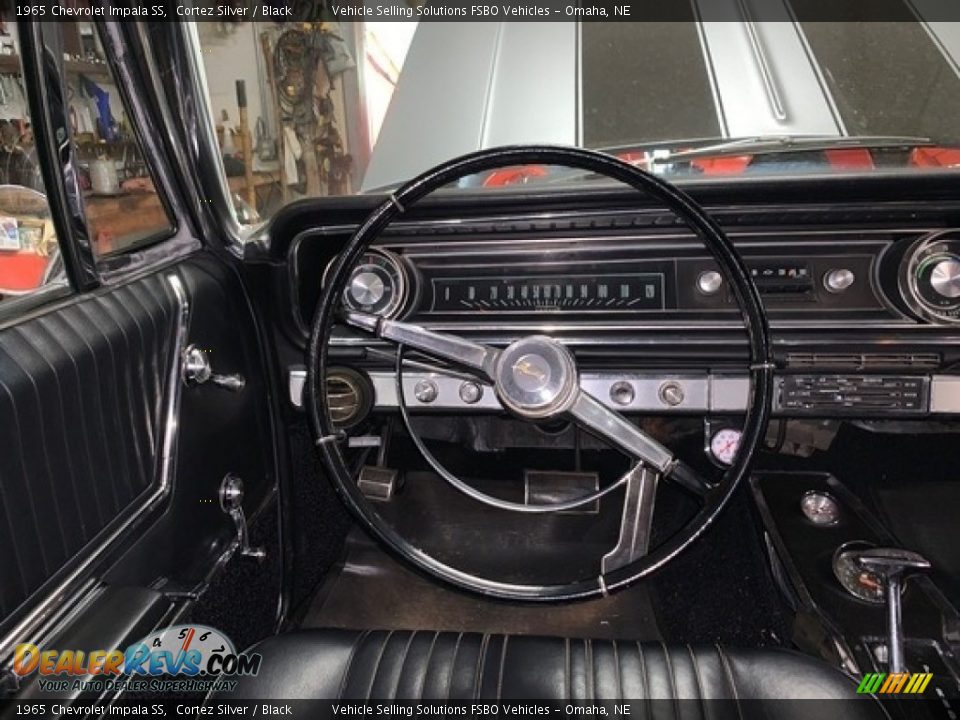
<point>377,285</point>
<point>600,292</point>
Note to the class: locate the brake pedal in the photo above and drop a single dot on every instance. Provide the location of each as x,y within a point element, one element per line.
<point>543,487</point>
<point>378,483</point>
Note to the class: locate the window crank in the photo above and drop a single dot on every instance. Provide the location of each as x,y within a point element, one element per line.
<point>231,502</point>
<point>197,371</point>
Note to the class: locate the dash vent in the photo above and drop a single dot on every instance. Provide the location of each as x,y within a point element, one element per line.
<point>348,397</point>
<point>863,361</point>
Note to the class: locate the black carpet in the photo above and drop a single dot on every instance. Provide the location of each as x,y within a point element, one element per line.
<point>720,589</point>
<point>374,591</point>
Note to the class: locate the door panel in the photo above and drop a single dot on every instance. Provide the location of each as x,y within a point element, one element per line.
<point>219,432</point>
<point>111,465</point>
<point>82,393</point>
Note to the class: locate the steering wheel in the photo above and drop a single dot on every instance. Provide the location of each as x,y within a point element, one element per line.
<point>536,379</point>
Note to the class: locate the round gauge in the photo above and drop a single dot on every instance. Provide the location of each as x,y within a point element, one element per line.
<point>724,445</point>
<point>932,278</point>
<point>857,580</point>
<point>820,508</point>
<point>377,285</point>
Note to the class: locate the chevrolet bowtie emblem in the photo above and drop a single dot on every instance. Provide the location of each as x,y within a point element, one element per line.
<point>528,368</point>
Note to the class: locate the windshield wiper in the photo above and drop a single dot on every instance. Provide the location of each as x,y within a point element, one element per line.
<point>774,144</point>
<point>658,156</point>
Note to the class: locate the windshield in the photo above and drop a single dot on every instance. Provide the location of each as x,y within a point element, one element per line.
<point>351,107</point>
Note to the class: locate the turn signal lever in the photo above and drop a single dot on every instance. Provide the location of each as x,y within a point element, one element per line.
<point>893,565</point>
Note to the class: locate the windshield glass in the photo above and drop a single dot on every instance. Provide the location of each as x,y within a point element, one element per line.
<point>350,107</point>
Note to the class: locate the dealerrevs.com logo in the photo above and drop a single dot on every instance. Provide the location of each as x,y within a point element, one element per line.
<point>198,654</point>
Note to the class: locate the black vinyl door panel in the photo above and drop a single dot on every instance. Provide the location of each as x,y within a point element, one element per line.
<point>219,432</point>
<point>109,464</point>
<point>82,391</point>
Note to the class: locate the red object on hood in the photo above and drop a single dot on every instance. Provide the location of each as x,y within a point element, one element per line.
<point>514,175</point>
<point>850,158</point>
<point>730,165</point>
<point>935,157</point>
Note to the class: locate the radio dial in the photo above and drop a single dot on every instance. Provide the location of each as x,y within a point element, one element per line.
<point>945,277</point>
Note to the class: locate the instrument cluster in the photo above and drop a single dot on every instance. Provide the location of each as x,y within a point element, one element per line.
<point>541,280</point>
<point>850,278</point>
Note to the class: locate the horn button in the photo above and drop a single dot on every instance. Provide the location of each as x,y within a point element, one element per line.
<point>536,377</point>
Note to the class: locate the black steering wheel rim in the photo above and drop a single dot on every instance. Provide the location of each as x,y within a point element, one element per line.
<point>328,437</point>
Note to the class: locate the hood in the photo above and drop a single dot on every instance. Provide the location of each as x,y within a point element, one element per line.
<point>467,86</point>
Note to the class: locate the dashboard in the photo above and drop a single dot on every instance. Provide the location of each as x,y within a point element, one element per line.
<point>865,317</point>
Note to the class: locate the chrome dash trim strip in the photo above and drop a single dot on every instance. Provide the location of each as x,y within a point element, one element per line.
<point>74,584</point>
<point>700,392</point>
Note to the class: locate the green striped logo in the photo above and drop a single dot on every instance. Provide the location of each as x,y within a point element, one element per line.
<point>894,684</point>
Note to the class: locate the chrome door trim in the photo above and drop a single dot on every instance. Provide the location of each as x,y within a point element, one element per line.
<point>63,596</point>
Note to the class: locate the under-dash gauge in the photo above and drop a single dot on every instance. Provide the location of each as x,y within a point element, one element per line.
<point>543,293</point>
<point>377,285</point>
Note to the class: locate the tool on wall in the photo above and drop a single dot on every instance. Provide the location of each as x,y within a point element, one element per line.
<point>305,108</point>
<point>246,144</point>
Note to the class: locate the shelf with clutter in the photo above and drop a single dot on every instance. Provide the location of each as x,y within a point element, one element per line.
<point>278,100</point>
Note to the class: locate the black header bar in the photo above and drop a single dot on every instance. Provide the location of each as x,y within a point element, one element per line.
<point>484,11</point>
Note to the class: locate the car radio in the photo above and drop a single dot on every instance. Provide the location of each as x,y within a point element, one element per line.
<point>854,394</point>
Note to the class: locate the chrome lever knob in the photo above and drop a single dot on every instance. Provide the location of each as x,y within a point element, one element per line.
<point>893,565</point>
<point>234,383</point>
<point>197,371</point>
<point>231,502</point>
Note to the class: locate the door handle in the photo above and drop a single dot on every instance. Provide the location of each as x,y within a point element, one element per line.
<point>197,371</point>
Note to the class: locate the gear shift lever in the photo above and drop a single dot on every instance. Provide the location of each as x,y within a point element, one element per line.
<point>893,565</point>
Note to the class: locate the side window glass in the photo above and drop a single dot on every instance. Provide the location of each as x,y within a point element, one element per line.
<point>29,255</point>
<point>123,207</point>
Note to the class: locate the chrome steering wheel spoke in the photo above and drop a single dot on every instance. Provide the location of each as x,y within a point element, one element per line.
<point>636,520</point>
<point>584,408</point>
<point>480,359</point>
<point>611,426</point>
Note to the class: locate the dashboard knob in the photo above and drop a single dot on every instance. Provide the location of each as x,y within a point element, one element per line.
<point>709,282</point>
<point>470,392</point>
<point>671,393</point>
<point>622,392</point>
<point>426,391</point>
<point>838,280</point>
<point>945,278</point>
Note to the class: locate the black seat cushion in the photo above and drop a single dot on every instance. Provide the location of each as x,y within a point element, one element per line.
<point>414,665</point>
